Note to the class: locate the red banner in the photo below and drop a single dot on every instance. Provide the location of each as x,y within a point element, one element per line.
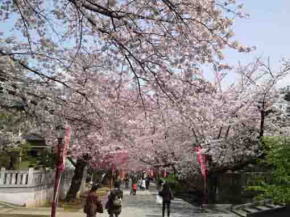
<point>151,173</point>
<point>202,160</point>
<point>164,173</point>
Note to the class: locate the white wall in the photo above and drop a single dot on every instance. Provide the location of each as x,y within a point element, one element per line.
<point>37,190</point>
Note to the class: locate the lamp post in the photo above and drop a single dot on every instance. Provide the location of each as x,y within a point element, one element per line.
<point>59,164</point>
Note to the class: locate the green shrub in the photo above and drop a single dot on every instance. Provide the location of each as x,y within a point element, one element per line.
<point>276,186</point>
<point>175,184</point>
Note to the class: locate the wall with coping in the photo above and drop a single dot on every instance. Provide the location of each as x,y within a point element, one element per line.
<point>32,187</point>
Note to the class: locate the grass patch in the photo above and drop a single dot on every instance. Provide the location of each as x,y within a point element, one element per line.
<point>74,205</point>
<point>101,192</point>
<point>78,204</point>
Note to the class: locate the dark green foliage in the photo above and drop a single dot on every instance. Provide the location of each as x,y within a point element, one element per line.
<point>46,158</point>
<point>42,157</point>
<point>276,186</point>
<point>174,183</point>
<point>20,157</point>
<point>9,160</point>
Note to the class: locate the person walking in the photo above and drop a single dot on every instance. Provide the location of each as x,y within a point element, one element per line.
<point>134,188</point>
<point>160,184</point>
<point>147,182</point>
<point>93,204</point>
<point>139,183</point>
<point>126,180</point>
<point>143,184</point>
<point>133,185</point>
<point>114,203</point>
<point>167,196</point>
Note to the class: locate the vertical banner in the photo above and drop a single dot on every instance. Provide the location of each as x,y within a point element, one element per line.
<point>122,174</point>
<point>164,173</point>
<point>202,161</point>
<point>151,173</point>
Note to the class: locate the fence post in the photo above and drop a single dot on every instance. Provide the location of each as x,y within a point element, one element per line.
<point>30,176</point>
<point>13,178</point>
<point>83,185</point>
<point>2,175</point>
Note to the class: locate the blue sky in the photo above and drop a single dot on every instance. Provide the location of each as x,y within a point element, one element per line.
<point>267,28</point>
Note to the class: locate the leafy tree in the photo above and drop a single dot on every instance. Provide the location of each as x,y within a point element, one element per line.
<point>14,150</point>
<point>9,139</point>
<point>275,186</point>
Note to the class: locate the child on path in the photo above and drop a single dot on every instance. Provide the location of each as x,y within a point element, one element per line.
<point>134,188</point>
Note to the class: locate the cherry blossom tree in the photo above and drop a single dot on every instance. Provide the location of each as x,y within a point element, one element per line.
<point>225,120</point>
<point>155,43</point>
<point>126,75</point>
<point>153,40</point>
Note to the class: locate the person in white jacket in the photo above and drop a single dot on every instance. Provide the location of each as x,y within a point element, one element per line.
<point>143,184</point>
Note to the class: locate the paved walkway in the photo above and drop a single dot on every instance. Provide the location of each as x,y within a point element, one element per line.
<point>141,205</point>
<point>144,205</point>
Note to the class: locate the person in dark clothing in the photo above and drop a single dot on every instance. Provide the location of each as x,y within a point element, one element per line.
<point>167,196</point>
<point>147,182</point>
<point>93,204</point>
<point>114,203</point>
<point>126,180</point>
<point>160,184</point>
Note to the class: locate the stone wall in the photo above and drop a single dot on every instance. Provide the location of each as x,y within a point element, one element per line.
<point>231,187</point>
<point>32,187</point>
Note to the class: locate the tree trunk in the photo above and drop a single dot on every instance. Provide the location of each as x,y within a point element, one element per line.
<point>212,188</point>
<point>12,161</point>
<point>76,180</point>
<point>262,124</point>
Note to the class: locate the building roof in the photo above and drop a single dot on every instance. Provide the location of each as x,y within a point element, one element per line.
<point>34,137</point>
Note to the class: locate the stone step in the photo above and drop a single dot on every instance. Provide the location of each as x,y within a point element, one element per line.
<point>261,208</point>
<point>250,210</point>
<point>245,210</point>
<point>240,212</point>
<point>273,206</point>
